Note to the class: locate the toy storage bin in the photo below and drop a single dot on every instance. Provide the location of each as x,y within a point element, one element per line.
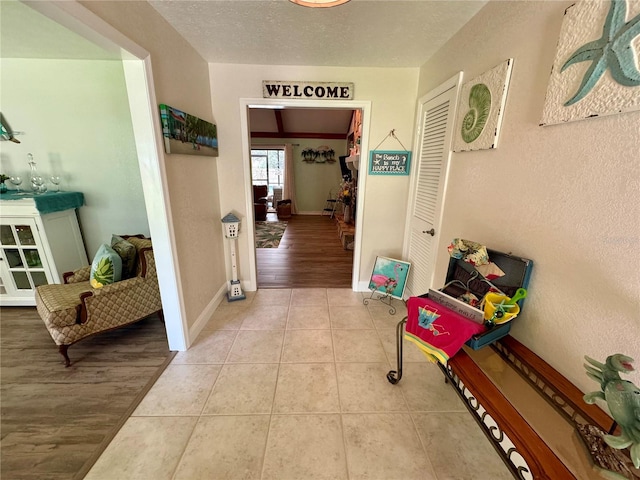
<point>517,272</point>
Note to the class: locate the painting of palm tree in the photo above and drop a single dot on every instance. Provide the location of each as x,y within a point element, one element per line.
<point>187,134</point>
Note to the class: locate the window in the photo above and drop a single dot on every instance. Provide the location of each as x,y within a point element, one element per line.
<point>267,168</point>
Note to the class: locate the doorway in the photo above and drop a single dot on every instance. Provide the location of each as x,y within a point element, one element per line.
<point>141,95</point>
<point>308,224</point>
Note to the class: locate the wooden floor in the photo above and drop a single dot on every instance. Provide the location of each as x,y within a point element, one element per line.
<point>310,254</point>
<point>55,420</point>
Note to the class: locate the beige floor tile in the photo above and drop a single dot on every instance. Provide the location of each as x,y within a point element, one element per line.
<point>425,390</point>
<point>457,447</point>
<point>410,352</point>
<point>211,346</point>
<point>312,317</point>
<point>227,318</point>
<point>306,387</point>
<point>225,447</point>
<point>265,317</point>
<point>358,346</point>
<point>257,346</point>
<point>249,296</point>
<point>384,446</point>
<point>144,448</point>
<point>243,388</point>
<point>377,302</point>
<point>381,316</point>
<point>364,387</point>
<point>273,296</point>
<point>303,346</point>
<point>305,447</point>
<point>309,296</point>
<point>344,297</point>
<point>180,390</point>
<point>353,317</point>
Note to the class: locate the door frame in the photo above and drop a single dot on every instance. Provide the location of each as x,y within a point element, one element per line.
<point>455,82</point>
<point>140,86</point>
<point>365,107</point>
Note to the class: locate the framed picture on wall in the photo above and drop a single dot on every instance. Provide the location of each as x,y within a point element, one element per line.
<point>187,134</point>
<point>389,277</point>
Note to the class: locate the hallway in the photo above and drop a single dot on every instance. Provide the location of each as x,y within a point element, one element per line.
<point>309,255</point>
<point>290,385</point>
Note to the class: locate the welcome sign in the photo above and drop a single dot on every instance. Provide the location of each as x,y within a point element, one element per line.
<point>389,162</point>
<point>307,90</point>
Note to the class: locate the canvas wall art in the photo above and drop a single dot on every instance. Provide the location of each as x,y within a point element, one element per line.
<point>481,109</point>
<point>389,277</point>
<point>187,134</point>
<point>596,67</point>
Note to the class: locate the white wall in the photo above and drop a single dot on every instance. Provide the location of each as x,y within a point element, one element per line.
<point>565,196</point>
<point>392,92</point>
<point>313,181</point>
<point>181,79</point>
<point>75,115</point>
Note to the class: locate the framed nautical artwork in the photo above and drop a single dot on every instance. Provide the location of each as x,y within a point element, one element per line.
<point>596,70</point>
<point>481,109</point>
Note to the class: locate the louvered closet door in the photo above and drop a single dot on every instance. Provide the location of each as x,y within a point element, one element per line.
<point>434,141</point>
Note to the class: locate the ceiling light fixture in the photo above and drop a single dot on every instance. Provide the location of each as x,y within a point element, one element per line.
<point>319,3</point>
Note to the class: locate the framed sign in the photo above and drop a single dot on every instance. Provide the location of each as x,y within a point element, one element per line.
<point>386,162</point>
<point>307,90</point>
<point>389,277</point>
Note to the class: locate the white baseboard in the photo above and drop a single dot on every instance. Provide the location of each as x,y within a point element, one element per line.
<point>205,315</point>
<point>309,213</point>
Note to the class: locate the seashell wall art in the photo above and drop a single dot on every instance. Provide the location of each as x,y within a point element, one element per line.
<point>481,108</point>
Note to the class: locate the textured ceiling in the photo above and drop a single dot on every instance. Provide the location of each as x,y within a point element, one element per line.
<point>371,33</point>
<point>365,33</point>
<point>361,33</point>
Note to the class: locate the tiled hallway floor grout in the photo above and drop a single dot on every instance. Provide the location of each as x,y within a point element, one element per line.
<point>290,384</point>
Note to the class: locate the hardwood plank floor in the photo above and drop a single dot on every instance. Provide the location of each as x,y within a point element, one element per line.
<point>55,420</point>
<point>310,254</point>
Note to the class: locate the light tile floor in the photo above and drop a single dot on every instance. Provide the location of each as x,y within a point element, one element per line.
<point>291,385</point>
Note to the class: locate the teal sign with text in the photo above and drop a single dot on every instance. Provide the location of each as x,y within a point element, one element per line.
<point>382,162</point>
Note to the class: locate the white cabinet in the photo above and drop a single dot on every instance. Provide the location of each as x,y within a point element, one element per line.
<point>35,249</point>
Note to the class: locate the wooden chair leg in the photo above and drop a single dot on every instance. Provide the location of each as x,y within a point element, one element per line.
<point>63,351</point>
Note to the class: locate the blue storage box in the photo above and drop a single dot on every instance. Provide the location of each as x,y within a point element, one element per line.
<point>463,277</point>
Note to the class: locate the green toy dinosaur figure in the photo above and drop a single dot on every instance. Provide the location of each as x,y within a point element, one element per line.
<point>623,400</point>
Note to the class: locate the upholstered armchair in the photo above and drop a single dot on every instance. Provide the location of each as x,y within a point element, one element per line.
<point>260,193</point>
<point>75,310</point>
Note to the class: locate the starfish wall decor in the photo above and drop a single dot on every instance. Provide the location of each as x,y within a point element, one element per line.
<point>595,77</point>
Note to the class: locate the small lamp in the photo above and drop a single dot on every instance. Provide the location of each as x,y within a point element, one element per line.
<point>231,228</point>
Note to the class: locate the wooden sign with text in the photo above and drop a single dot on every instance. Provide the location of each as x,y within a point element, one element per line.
<point>307,90</point>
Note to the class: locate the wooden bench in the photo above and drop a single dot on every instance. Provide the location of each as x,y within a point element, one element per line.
<point>547,447</point>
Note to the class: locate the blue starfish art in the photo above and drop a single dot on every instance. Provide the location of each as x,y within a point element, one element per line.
<point>613,51</point>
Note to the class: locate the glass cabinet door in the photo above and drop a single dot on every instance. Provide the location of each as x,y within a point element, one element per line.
<point>22,259</point>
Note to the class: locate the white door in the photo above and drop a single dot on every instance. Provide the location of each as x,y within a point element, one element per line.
<point>433,143</point>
